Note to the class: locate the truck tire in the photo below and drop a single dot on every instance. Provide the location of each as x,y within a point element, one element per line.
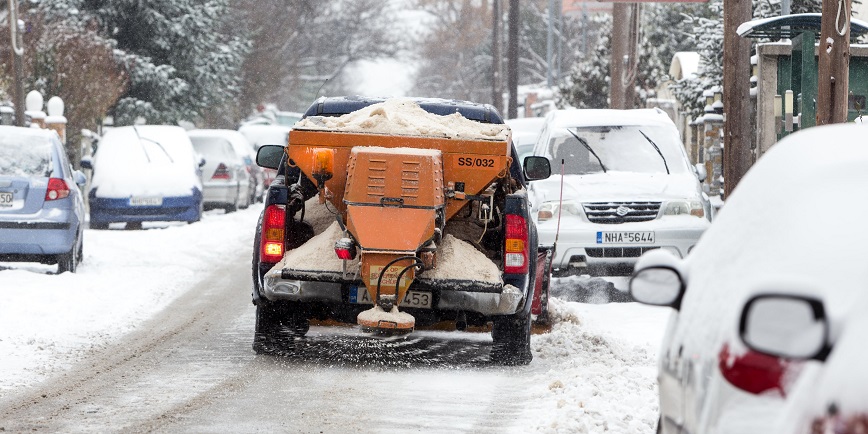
<point>511,340</point>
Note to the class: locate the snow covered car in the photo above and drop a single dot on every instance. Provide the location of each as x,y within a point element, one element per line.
<point>41,206</point>
<point>259,135</point>
<point>144,173</point>
<point>226,180</point>
<point>793,229</point>
<point>628,187</point>
<point>525,133</point>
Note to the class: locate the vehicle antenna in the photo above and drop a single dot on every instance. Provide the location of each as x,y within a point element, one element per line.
<point>560,207</point>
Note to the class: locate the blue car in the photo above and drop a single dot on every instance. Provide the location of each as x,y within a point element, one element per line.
<point>41,205</point>
<point>144,173</point>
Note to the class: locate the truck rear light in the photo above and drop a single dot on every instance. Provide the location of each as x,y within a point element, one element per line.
<point>515,247</point>
<point>222,172</point>
<point>57,189</point>
<point>273,234</point>
<point>753,372</point>
<point>345,249</point>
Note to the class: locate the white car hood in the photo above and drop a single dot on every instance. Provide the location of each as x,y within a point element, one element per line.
<point>618,186</point>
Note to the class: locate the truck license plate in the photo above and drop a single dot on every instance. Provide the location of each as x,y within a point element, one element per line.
<point>417,299</point>
<point>5,199</point>
<point>625,237</point>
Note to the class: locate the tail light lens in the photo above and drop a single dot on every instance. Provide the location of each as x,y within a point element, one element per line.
<point>273,234</point>
<point>515,250</point>
<point>753,372</point>
<point>57,189</point>
<point>222,172</point>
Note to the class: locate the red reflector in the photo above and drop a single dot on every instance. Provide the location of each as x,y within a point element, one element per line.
<point>344,254</point>
<point>273,234</point>
<point>515,248</point>
<point>753,372</point>
<point>57,189</point>
<point>345,249</point>
<point>222,172</point>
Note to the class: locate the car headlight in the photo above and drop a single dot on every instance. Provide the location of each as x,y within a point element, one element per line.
<point>549,210</point>
<point>684,207</point>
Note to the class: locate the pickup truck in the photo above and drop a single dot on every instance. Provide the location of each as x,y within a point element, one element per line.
<point>396,214</point>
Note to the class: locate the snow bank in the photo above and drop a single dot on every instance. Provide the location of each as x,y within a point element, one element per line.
<point>402,116</point>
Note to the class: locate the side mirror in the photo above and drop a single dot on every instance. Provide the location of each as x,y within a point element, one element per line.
<point>700,172</point>
<point>658,280</point>
<point>536,168</point>
<point>86,163</point>
<point>787,326</point>
<point>269,156</point>
<point>79,178</point>
<point>657,286</point>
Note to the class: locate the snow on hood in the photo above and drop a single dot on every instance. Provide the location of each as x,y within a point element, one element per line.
<point>402,116</point>
<point>619,186</point>
<point>798,215</point>
<point>150,160</point>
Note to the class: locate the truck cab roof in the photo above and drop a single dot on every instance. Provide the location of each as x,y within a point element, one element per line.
<point>341,105</point>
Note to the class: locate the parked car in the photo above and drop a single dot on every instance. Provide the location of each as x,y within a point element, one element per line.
<point>525,133</point>
<point>259,135</point>
<point>226,177</point>
<point>41,205</point>
<point>144,173</point>
<point>628,187</point>
<point>787,247</point>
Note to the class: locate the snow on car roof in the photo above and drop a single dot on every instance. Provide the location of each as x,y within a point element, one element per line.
<point>239,142</point>
<point>403,116</point>
<point>607,117</point>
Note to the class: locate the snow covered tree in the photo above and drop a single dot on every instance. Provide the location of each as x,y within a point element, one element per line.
<point>588,83</point>
<point>178,62</point>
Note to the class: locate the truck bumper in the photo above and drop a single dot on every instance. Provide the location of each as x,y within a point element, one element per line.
<point>505,302</point>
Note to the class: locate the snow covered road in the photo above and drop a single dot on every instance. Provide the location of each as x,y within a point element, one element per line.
<point>154,333</point>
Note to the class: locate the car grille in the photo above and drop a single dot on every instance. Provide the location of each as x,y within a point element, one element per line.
<point>617,252</point>
<point>607,212</point>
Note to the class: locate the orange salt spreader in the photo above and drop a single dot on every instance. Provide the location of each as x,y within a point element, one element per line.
<point>395,194</point>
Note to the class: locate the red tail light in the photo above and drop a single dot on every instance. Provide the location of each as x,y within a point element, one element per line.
<point>345,249</point>
<point>222,172</point>
<point>57,189</point>
<point>273,234</point>
<point>515,249</point>
<point>753,372</point>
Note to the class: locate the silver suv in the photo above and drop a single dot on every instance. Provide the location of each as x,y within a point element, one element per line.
<point>628,187</point>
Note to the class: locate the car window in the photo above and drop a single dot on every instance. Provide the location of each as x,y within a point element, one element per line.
<point>617,148</point>
<point>22,155</point>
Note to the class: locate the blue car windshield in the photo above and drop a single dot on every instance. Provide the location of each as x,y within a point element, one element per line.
<point>24,155</point>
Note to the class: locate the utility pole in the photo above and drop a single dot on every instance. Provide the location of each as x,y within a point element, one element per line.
<point>624,62</point>
<point>17,63</point>
<point>512,60</point>
<point>496,93</point>
<point>833,76</point>
<point>736,94</point>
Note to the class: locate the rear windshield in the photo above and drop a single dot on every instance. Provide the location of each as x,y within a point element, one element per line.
<point>213,146</point>
<point>24,155</point>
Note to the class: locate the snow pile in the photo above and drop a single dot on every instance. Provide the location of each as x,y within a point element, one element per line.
<point>402,116</point>
<point>318,253</point>
<point>459,260</point>
<point>601,369</point>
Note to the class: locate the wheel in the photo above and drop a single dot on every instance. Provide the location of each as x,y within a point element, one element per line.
<point>277,326</point>
<point>511,340</point>
<point>134,226</point>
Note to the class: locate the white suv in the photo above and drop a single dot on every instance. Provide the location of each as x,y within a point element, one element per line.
<point>628,187</point>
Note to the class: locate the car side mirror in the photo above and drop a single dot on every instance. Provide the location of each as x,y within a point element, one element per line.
<point>700,171</point>
<point>79,178</point>
<point>536,168</point>
<point>786,325</point>
<point>658,280</point>
<point>269,156</point>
